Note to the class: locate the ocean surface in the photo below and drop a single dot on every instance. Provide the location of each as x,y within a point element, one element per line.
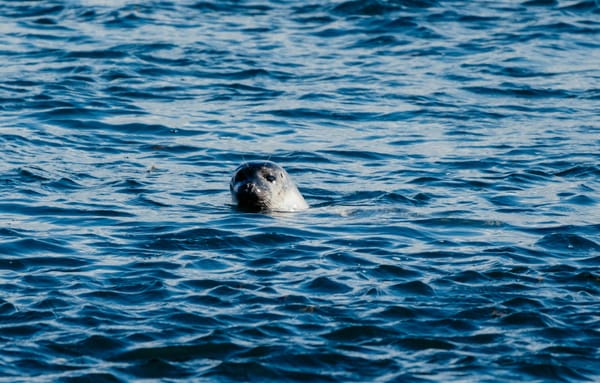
<point>450,152</point>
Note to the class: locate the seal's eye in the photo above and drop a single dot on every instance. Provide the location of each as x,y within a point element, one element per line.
<point>271,178</point>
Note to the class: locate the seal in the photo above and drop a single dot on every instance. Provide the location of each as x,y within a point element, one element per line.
<point>264,186</point>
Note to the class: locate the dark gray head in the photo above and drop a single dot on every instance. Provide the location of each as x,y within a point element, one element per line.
<point>264,186</point>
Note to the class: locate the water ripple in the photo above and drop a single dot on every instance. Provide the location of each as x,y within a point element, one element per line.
<point>448,152</point>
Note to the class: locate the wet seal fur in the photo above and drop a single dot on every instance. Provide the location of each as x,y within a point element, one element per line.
<point>264,186</point>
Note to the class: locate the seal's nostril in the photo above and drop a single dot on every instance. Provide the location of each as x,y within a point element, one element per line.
<point>248,188</point>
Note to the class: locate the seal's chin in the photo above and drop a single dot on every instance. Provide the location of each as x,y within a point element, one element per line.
<point>250,203</point>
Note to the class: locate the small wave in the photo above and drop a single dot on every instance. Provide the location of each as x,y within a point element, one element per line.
<point>325,285</point>
<point>579,171</point>
<point>304,114</point>
<point>31,245</point>
<point>520,91</point>
<point>378,7</point>
<point>448,152</point>
<point>567,242</point>
<point>413,288</point>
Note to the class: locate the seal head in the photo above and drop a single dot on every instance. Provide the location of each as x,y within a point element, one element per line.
<point>265,186</point>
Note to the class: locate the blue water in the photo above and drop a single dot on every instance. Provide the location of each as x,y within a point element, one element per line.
<point>449,151</point>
